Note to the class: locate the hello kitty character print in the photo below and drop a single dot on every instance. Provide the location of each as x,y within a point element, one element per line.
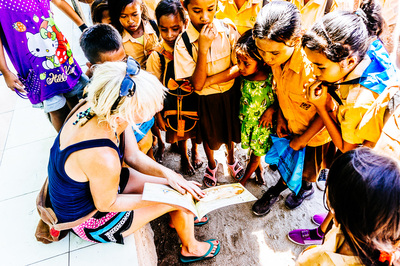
<point>38,50</point>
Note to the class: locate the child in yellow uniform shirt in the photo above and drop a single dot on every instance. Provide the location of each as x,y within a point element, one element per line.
<point>243,13</point>
<point>202,52</point>
<point>172,21</point>
<point>139,33</point>
<point>362,193</point>
<point>312,10</point>
<point>343,48</point>
<point>277,34</point>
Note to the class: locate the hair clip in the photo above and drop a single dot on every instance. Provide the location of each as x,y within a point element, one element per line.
<point>83,114</point>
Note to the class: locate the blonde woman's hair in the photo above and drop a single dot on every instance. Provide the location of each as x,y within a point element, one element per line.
<point>104,90</point>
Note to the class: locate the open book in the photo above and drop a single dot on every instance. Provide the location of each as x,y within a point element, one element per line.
<point>215,198</point>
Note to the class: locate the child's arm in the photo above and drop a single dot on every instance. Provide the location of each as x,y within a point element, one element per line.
<point>207,35</point>
<point>334,130</point>
<point>266,118</point>
<point>69,11</point>
<point>11,79</point>
<point>300,141</point>
<point>281,125</point>
<point>224,76</point>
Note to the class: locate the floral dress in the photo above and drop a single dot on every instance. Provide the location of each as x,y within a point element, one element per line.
<point>257,96</point>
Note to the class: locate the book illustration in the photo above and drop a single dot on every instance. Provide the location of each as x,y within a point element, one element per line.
<point>215,198</point>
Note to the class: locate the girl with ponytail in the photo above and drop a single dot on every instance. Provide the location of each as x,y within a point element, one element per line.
<point>353,69</point>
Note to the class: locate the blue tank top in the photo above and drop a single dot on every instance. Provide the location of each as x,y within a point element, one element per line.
<point>70,199</point>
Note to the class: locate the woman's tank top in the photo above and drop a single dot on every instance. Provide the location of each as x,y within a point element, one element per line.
<point>70,199</point>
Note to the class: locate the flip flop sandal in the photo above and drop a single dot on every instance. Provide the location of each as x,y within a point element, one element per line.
<point>236,170</point>
<point>189,259</point>
<point>210,175</point>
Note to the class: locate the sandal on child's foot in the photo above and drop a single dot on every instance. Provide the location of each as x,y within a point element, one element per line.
<point>236,170</point>
<point>210,176</point>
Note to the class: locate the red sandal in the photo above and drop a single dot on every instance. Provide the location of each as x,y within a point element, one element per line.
<point>236,170</point>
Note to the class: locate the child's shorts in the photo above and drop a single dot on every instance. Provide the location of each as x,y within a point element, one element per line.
<point>58,101</point>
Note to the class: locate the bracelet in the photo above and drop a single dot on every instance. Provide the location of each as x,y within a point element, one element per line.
<point>83,27</point>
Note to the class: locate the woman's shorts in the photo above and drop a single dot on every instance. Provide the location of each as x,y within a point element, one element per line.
<point>106,227</point>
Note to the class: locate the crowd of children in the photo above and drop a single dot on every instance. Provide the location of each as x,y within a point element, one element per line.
<point>238,71</point>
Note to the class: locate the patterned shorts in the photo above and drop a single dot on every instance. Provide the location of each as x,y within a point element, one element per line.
<point>105,227</point>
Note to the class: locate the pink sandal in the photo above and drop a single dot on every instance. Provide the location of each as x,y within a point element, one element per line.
<point>211,175</point>
<point>236,170</point>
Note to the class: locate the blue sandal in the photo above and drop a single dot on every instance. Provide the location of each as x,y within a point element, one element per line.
<point>189,259</point>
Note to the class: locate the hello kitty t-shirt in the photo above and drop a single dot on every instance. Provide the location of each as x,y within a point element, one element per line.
<point>38,50</point>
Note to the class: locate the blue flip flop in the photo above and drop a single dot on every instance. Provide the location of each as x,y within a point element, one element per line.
<point>189,259</point>
<point>201,223</point>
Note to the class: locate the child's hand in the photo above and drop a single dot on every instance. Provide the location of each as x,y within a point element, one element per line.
<point>266,118</point>
<point>13,82</point>
<point>297,143</point>
<point>207,35</point>
<point>161,122</point>
<point>281,127</point>
<point>317,93</point>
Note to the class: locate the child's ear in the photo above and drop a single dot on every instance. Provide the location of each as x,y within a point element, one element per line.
<point>294,42</point>
<point>349,63</point>
<point>185,23</point>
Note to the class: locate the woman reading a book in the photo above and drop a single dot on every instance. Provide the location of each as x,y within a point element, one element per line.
<point>85,166</point>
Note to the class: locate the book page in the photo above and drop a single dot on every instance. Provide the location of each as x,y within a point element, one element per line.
<point>221,196</point>
<point>166,194</point>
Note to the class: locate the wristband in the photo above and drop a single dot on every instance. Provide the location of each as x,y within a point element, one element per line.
<point>83,27</point>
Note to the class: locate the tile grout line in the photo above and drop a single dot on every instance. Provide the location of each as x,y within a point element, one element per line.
<point>33,263</point>
<point>8,131</point>
<point>31,142</point>
<point>21,195</point>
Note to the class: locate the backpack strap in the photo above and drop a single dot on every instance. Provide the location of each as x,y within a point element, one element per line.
<point>155,27</point>
<point>328,6</point>
<point>47,214</point>
<point>162,61</point>
<point>188,45</point>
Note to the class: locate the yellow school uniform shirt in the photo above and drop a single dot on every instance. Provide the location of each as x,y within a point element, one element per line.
<point>361,115</point>
<point>154,63</point>
<point>151,7</point>
<point>389,141</point>
<point>315,9</point>
<point>290,81</point>
<point>244,18</point>
<point>140,51</point>
<point>325,254</point>
<point>220,56</point>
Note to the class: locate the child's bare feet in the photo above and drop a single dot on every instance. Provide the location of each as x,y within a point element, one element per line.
<point>196,161</point>
<point>159,154</point>
<point>186,166</point>
<point>260,175</point>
